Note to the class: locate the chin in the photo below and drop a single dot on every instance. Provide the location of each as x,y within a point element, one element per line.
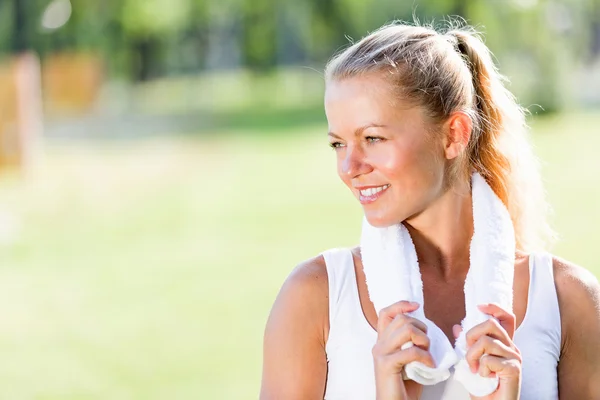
<point>382,220</point>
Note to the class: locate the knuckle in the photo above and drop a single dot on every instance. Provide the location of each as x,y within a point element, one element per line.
<point>471,355</point>
<point>512,367</point>
<point>515,365</point>
<point>426,342</point>
<point>401,318</point>
<point>493,324</point>
<point>470,336</point>
<point>413,330</point>
<point>413,353</point>
<point>487,341</point>
<point>494,343</point>
<point>518,357</point>
<point>385,312</point>
<point>400,321</point>
<point>429,359</point>
<point>484,360</point>
<point>511,316</point>
<point>417,354</point>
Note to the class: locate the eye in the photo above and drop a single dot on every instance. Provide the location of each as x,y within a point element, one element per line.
<point>335,145</point>
<point>373,139</point>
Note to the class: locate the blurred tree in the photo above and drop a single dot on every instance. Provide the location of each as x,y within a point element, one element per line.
<point>292,32</point>
<point>595,27</point>
<point>20,32</point>
<point>145,24</point>
<point>537,42</point>
<point>225,27</point>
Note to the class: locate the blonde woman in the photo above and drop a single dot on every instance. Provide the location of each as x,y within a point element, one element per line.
<point>412,112</point>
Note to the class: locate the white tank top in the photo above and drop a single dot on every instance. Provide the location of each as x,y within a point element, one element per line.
<point>350,365</point>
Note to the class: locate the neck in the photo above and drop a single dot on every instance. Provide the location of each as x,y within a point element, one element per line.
<point>442,233</point>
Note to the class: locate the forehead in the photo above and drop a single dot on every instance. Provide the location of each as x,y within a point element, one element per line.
<point>362,100</point>
<point>364,87</point>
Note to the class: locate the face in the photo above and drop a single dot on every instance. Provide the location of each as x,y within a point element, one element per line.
<point>385,153</point>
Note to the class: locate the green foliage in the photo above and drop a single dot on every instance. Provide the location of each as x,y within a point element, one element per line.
<point>155,17</point>
<point>538,43</point>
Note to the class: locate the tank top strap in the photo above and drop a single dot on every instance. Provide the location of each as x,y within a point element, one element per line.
<point>341,277</point>
<point>345,311</point>
<point>543,299</point>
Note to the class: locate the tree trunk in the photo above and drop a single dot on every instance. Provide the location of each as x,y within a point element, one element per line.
<point>291,18</point>
<point>224,39</point>
<point>20,42</point>
<point>145,50</point>
<point>595,29</point>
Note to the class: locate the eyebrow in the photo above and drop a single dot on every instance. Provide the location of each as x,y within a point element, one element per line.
<point>359,130</point>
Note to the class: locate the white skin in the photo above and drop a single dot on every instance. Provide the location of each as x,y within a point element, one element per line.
<point>381,140</point>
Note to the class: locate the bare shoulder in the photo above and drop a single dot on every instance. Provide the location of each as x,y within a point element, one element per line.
<point>308,278</point>
<point>305,296</point>
<point>294,357</point>
<point>576,286</point>
<point>578,293</point>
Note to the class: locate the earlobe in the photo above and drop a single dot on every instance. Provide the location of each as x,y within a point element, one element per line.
<point>453,150</point>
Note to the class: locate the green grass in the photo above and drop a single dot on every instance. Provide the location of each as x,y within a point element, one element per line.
<point>146,269</point>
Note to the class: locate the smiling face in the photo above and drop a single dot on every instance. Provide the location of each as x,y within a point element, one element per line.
<point>386,154</point>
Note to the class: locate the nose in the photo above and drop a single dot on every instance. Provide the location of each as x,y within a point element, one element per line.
<point>354,163</point>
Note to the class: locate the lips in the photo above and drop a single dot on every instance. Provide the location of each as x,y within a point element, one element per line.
<point>371,194</point>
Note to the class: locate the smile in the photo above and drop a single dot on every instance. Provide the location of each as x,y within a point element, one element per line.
<point>371,194</point>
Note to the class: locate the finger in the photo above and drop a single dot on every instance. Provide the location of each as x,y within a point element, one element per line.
<point>488,346</point>
<point>507,319</point>
<point>402,319</point>
<point>413,354</point>
<point>408,333</point>
<point>492,366</point>
<point>456,330</point>
<point>386,315</point>
<point>492,328</point>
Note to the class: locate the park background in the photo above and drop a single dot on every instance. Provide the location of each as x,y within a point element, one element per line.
<point>164,165</point>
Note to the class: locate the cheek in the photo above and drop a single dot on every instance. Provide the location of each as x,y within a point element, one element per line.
<point>412,167</point>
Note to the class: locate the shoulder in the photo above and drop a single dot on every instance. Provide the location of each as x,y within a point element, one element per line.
<point>294,356</point>
<point>575,285</point>
<point>303,299</point>
<point>578,293</point>
<point>579,303</point>
<point>308,277</point>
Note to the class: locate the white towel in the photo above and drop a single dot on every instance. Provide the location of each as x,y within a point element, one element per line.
<point>392,273</point>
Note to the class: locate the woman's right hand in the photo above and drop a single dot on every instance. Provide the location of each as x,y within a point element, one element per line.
<point>394,329</point>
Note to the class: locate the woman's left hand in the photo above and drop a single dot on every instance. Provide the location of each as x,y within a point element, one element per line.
<point>492,352</point>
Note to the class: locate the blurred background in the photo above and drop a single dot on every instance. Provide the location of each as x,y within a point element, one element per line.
<point>164,165</point>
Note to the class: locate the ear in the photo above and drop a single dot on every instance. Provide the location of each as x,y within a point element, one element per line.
<point>458,132</point>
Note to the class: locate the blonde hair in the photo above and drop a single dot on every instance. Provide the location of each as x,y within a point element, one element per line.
<point>449,71</point>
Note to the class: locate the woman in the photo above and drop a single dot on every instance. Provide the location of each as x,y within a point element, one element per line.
<point>412,113</point>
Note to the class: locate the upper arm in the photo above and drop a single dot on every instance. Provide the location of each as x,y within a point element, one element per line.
<point>579,300</point>
<point>294,360</point>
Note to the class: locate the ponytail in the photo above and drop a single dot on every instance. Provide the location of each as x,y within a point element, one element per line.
<point>499,149</point>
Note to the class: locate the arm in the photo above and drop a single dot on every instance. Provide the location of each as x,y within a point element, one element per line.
<point>294,360</point>
<point>579,301</point>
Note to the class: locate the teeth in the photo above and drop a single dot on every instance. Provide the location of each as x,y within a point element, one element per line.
<point>372,191</point>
